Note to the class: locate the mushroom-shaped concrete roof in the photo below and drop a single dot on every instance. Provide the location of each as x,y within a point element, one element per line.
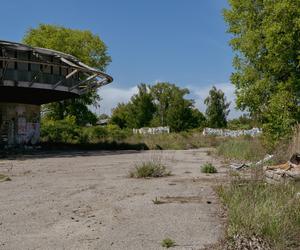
<point>38,75</point>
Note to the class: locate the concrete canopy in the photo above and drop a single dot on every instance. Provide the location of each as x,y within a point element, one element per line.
<point>38,76</point>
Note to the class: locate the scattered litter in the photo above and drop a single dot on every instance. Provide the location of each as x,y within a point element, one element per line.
<point>238,166</point>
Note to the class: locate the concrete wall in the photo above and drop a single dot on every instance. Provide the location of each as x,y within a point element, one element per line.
<point>19,124</point>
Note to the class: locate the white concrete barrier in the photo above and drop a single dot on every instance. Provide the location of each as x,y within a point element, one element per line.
<point>155,130</point>
<point>232,133</point>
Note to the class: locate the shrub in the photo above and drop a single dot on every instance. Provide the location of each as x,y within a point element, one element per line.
<point>208,168</point>
<point>150,169</point>
<point>60,131</point>
<point>167,243</point>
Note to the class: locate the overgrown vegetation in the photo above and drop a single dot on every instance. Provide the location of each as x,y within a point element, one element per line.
<point>265,37</point>
<point>270,212</point>
<point>152,168</point>
<point>167,243</point>
<point>208,168</point>
<point>243,149</point>
<point>67,132</point>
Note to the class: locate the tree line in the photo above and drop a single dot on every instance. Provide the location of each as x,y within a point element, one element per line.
<point>165,104</point>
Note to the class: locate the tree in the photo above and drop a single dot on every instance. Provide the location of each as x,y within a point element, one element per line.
<point>217,108</point>
<point>120,115</point>
<point>266,39</point>
<point>89,48</point>
<point>141,108</point>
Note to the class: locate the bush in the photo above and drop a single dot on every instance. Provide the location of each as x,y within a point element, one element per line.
<point>167,243</point>
<point>270,212</point>
<point>150,169</point>
<point>208,168</point>
<point>60,131</point>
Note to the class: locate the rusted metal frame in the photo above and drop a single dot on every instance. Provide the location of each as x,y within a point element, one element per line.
<point>90,78</point>
<point>5,67</point>
<point>95,85</point>
<point>67,77</point>
<point>7,59</point>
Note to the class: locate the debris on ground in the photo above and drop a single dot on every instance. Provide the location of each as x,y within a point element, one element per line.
<point>246,243</point>
<point>239,166</point>
<point>289,171</point>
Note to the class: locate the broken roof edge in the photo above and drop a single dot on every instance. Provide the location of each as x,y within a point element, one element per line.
<point>52,52</point>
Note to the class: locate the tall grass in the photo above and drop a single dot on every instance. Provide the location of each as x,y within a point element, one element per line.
<point>271,212</point>
<point>243,149</point>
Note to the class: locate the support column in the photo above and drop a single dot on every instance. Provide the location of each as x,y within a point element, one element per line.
<point>19,124</point>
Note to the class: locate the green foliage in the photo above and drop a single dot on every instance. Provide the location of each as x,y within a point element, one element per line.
<point>243,122</point>
<point>163,104</point>
<point>280,118</point>
<point>82,44</point>
<point>266,38</point>
<point>270,212</point>
<point>208,168</point>
<point>67,131</point>
<point>167,243</point>
<point>59,131</point>
<point>243,149</point>
<point>141,108</point>
<point>217,108</point>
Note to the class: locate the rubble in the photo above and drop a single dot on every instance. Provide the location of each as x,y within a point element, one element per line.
<point>289,171</point>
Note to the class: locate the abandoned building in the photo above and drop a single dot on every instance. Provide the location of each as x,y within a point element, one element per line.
<point>30,77</point>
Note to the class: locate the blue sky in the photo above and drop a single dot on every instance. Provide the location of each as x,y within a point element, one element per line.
<point>180,41</point>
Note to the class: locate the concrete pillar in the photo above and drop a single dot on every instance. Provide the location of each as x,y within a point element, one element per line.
<point>19,124</point>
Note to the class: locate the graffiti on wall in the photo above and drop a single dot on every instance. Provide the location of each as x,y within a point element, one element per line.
<point>23,123</point>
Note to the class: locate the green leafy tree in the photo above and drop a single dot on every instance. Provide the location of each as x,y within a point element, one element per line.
<point>266,39</point>
<point>160,105</point>
<point>89,48</point>
<point>217,108</point>
<point>120,115</point>
<point>141,108</point>
<point>173,109</point>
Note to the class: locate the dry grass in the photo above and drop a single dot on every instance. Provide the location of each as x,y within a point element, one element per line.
<point>154,167</point>
<point>269,212</point>
<point>242,149</point>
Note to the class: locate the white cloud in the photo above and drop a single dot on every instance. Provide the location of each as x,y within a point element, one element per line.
<point>112,95</point>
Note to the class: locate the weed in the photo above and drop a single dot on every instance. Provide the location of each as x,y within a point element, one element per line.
<point>156,201</point>
<point>208,168</point>
<point>152,168</point>
<point>4,178</point>
<point>167,243</point>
